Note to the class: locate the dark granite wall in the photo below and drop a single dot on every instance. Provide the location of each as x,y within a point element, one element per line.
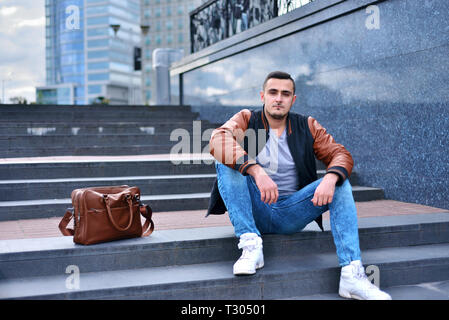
<point>383,93</point>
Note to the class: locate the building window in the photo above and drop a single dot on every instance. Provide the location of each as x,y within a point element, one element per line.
<point>97,43</point>
<point>169,24</point>
<point>94,89</point>
<point>98,76</point>
<point>97,54</point>
<point>98,65</point>
<point>97,20</point>
<point>97,32</point>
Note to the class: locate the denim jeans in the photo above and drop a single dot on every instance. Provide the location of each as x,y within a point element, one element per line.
<point>290,213</point>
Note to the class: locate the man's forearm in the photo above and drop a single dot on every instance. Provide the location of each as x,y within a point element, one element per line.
<point>331,177</point>
<point>255,170</point>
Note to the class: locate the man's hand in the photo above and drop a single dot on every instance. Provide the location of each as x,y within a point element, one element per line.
<point>325,190</point>
<point>268,188</point>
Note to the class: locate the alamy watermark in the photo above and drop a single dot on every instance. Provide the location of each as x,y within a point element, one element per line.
<point>373,273</point>
<point>373,20</point>
<point>72,282</point>
<point>72,21</point>
<point>225,146</point>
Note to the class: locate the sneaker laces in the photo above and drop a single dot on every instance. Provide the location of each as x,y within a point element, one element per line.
<point>248,245</point>
<point>359,273</point>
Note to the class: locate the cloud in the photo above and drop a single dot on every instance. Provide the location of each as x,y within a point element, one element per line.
<point>31,23</point>
<point>6,11</point>
<point>22,39</point>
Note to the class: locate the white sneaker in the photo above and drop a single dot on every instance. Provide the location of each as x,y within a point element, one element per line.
<point>355,284</point>
<point>252,256</point>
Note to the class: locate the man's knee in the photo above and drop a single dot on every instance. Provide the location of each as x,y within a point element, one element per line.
<point>231,175</point>
<point>344,189</point>
<point>345,185</point>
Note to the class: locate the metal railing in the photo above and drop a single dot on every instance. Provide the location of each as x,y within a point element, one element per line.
<point>216,20</point>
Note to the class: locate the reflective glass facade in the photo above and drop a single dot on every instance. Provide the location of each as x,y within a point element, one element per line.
<point>65,48</point>
<point>82,48</point>
<point>374,74</point>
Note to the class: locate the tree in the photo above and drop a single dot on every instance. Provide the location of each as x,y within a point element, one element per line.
<point>100,100</point>
<point>18,100</point>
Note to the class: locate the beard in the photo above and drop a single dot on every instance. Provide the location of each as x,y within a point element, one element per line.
<point>277,116</point>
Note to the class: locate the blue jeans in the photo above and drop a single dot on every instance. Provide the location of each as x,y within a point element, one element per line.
<point>290,213</point>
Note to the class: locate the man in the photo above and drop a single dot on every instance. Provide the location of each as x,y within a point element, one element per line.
<point>275,189</point>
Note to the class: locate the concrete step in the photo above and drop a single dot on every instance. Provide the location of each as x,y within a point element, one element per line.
<point>197,263</point>
<point>61,188</point>
<point>24,116</point>
<point>69,168</point>
<point>17,113</point>
<point>29,189</point>
<point>45,208</point>
<point>98,140</point>
<point>278,279</point>
<point>420,291</point>
<point>164,126</point>
<point>46,108</point>
<point>111,150</point>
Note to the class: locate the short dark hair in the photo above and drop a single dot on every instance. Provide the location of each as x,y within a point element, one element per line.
<point>279,75</point>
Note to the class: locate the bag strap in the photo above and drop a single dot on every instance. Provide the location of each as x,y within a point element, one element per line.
<point>147,213</point>
<point>65,221</point>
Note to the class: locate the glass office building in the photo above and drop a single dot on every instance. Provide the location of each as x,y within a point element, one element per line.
<point>83,51</point>
<point>169,22</point>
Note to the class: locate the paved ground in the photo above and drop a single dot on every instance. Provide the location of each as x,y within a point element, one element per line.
<point>48,227</point>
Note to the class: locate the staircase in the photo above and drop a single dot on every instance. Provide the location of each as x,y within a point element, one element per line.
<point>171,264</point>
<point>34,131</point>
<point>40,189</point>
<point>197,263</point>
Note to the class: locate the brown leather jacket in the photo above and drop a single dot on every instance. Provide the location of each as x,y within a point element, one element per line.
<point>306,138</point>
<point>225,144</point>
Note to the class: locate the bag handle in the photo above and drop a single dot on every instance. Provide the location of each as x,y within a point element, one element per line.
<point>65,221</point>
<point>108,208</point>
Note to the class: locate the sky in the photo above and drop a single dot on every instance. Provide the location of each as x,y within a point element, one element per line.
<point>22,48</point>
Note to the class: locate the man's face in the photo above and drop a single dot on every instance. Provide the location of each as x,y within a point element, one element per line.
<point>278,97</point>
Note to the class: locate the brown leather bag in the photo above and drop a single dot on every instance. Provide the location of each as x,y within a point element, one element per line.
<point>104,214</point>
